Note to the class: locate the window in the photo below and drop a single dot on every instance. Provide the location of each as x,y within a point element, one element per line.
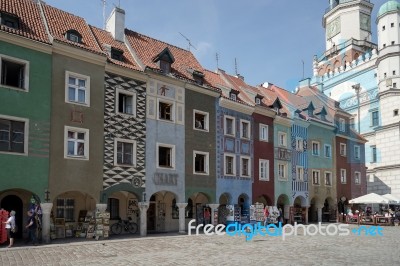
<point>383,28</point>
<point>73,36</point>
<point>328,179</point>
<point>9,20</point>
<point>244,129</point>
<point>394,85</point>
<point>373,154</point>
<point>315,148</point>
<point>245,166</point>
<point>263,132</point>
<point>352,123</point>
<point>392,25</point>
<point>299,173</point>
<point>233,96</point>
<point>126,102</point>
<point>165,156</point>
<point>200,162</point>
<point>165,66</point>
<point>394,72</point>
<point>200,121</point>
<point>396,112</point>
<point>328,151</point>
<point>65,209</point>
<point>393,44</point>
<point>315,177</point>
<point>166,111</point>
<point>113,208</point>
<point>282,139</point>
<point>13,135</point>
<point>124,152</point>
<point>229,165</point>
<point>258,101</point>
<point>343,176</point>
<point>384,74</point>
<point>229,125</point>
<point>77,88</point>
<point>282,171</point>
<point>357,152</point>
<point>342,124</point>
<point>14,72</point>
<point>343,148</point>
<point>384,45</point>
<point>117,54</point>
<point>264,170</point>
<point>76,143</point>
<point>299,144</point>
<point>357,178</point>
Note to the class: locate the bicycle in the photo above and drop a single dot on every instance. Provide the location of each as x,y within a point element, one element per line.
<point>127,225</point>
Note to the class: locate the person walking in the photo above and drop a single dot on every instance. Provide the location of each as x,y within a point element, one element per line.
<point>11,228</point>
<point>31,226</point>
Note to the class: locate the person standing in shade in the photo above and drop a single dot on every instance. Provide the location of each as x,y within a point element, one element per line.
<point>31,226</point>
<point>11,228</point>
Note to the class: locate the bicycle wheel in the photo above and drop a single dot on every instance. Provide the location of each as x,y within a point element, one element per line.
<point>132,228</point>
<point>116,229</point>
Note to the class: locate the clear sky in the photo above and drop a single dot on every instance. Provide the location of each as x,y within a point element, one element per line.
<point>269,39</point>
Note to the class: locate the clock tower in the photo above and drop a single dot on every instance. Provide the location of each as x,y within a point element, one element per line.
<point>345,20</point>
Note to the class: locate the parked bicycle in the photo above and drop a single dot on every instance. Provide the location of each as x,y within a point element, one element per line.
<point>127,225</point>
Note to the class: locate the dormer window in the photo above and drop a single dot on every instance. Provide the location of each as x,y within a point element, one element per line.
<point>198,77</point>
<point>233,96</point>
<point>73,36</point>
<point>165,67</point>
<point>164,60</point>
<point>117,54</point>
<point>258,101</point>
<point>9,20</point>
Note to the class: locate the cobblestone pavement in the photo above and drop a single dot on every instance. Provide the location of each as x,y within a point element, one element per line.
<point>215,250</point>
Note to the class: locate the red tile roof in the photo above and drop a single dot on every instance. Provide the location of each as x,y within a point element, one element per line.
<point>59,22</point>
<point>148,48</point>
<point>104,37</point>
<point>31,24</point>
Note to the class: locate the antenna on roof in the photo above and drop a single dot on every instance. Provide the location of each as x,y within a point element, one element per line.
<point>217,58</point>
<point>104,14</point>
<point>303,67</point>
<point>236,69</point>
<point>189,42</point>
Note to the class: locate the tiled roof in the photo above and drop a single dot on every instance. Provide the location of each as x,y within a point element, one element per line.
<point>31,24</point>
<point>238,84</point>
<point>104,37</point>
<point>148,48</point>
<point>270,95</point>
<point>59,22</point>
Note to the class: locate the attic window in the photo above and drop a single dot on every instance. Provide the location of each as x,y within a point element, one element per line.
<point>117,54</point>
<point>9,20</point>
<point>198,77</point>
<point>233,96</point>
<point>258,101</point>
<point>73,36</point>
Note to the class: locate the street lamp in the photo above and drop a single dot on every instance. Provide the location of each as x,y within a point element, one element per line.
<point>47,194</point>
<point>357,89</point>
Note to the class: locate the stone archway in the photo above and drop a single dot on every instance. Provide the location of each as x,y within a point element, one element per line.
<point>14,203</point>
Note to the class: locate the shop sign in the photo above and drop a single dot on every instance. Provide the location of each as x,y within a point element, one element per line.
<point>165,179</point>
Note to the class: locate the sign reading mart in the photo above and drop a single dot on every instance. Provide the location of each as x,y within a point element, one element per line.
<point>252,230</point>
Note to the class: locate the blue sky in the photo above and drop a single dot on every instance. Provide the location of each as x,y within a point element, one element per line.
<point>269,39</point>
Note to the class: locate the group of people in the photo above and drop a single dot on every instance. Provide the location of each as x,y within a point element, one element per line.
<point>32,225</point>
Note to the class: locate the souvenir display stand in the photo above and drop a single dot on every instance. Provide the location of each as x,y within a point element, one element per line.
<point>258,212</point>
<point>297,215</point>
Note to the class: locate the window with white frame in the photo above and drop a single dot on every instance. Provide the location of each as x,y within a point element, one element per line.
<point>126,102</point>
<point>282,171</point>
<point>352,123</point>
<point>165,155</point>
<point>124,152</point>
<point>357,178</point>
<point>200,121</point>
<point>315,148</point>
<point>263,170</point>
<point>200,162</point>
<point>229,125</point>
<point>375,118</point>
<point>299,173</point>
<point>245,168</point>
<point>343,179</point>
<point>328,151</point>
<point>76,143</point>
<point>77,88</point>
<point>263,132</point>
<point>282,139</point>
<point>343,148</point>
<point>356,152</point>
<point>299,144</point>
<point>342,124</point>
<point>328,179</point>
<point>166,110</point>
<point>14,72</point>
<point>230,165</point>
<point>244,129</point>
<point>315,177</point>
<point>13,134</point>
<point>65,208</point>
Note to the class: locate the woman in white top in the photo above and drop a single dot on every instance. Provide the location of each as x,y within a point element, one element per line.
<point>10,226</point>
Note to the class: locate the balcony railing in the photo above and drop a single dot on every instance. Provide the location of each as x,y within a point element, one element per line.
<point>341,46</point>
<point>283,154</point>
<point>299,186</point>
<point>338,2</point>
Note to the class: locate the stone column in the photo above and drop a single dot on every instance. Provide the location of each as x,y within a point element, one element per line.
<point>319,210</point>
<point>143,206</point>
<point>182,225</point>
<point>101,207</point>
<point>213,208</point>
<point>306,216</point>
<point>46,211</point>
